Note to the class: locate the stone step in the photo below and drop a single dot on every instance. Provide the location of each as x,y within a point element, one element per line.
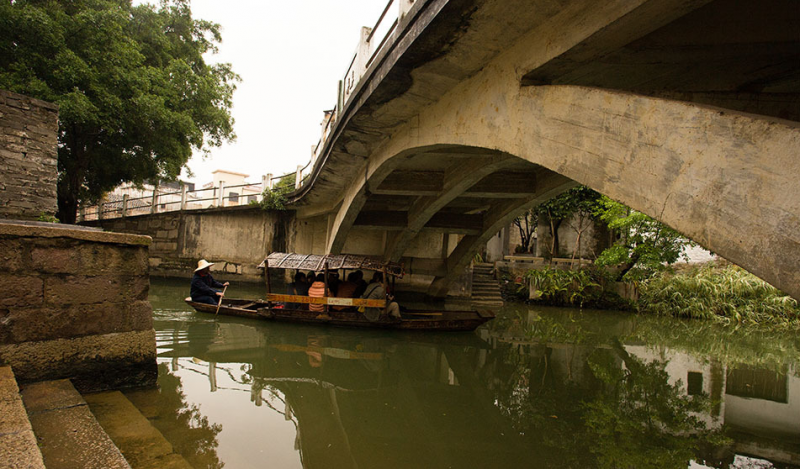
<point>487,303</point>
<point>142,444</point>
<point>67,432</point>
<point>487,298</point>
<point>18,446</point>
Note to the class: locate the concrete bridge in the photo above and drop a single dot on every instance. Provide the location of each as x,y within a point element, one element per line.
<point>474,110</point>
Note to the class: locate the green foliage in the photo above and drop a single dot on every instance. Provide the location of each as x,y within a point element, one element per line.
<point>47,218</point>
<point>275,198</point>
<point>135,94</point>
<point>645,246</point>
<point>729,295</point>
<point>579,200</point>
<point>562,287</point>
<point>641,420</point>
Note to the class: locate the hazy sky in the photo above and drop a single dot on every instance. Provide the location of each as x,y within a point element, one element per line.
<point>290,55</point>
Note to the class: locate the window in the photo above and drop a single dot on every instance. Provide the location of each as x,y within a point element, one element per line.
<point>233,197</point>
<point>694,381</point>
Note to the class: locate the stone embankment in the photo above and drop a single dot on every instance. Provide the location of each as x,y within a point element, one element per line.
<point>49,424</point>
<point>76,306</point>
<point>235,238</point>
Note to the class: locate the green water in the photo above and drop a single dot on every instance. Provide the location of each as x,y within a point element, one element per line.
<point>536,387</point>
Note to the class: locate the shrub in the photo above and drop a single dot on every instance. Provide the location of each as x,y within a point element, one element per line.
<point>729,295</point>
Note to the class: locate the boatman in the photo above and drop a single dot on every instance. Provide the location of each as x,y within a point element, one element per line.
<point>204,286</point>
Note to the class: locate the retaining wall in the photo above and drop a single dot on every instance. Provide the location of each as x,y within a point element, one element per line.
<point>28,158</point>
<point>235,238</point>
<point>74,305</point>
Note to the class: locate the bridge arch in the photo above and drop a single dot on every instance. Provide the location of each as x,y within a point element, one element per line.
<point>725,179</point>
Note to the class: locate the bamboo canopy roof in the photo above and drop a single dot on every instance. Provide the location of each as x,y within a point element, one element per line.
<point>316,262</point>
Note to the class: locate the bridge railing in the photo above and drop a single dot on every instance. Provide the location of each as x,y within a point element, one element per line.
<point>371,43</point>
<point>157,201</point>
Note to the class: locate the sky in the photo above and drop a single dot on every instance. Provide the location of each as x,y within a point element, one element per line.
<point>290,56</point>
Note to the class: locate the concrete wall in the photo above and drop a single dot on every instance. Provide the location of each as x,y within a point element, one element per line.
<point>75,306</point>
<point>28,133</point>
<point>235,239</point>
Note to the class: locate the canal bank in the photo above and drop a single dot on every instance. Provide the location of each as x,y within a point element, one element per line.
<point>537,387</point>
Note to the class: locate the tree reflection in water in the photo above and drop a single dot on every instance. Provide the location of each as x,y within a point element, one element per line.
<point>590,403</point>
<point>184,426</point>
<point>639,419</point>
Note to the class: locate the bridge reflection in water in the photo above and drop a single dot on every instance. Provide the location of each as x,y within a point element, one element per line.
<point>536,388</point>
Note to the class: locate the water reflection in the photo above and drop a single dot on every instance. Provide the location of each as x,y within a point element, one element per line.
<point>535,388</point>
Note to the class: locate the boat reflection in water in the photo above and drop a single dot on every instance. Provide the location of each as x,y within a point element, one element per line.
<point>534,389</point>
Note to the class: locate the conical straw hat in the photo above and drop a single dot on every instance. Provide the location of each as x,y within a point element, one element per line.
<point>202,264</point>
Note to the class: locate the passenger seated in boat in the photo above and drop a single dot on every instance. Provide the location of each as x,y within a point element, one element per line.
<point>376,291</point>
<point>347,289</point>
<point>298,287</point>
<point>204,286</point>
<point>361,284</point>
<point>317,290</point>
<point>333,282</point>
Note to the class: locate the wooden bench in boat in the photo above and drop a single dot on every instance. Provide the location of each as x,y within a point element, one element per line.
<point>326,300</point>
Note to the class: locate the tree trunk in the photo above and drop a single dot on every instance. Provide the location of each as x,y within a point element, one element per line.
<point>67,205</point>
<point>554,226</point>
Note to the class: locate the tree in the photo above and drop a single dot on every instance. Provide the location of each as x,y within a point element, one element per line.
<point>526,224</point>
<point>135,94</point>
<point>580,199</point>
<point>645,245</point>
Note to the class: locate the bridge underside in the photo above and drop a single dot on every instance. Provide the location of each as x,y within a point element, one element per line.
<point>684,110</point>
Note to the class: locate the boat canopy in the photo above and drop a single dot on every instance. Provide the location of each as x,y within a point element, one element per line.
<point>316,262</point>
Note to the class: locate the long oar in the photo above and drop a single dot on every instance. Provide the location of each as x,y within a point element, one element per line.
<point>220,299</point>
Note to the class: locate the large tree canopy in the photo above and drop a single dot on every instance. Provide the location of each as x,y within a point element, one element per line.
<point>136,96</point>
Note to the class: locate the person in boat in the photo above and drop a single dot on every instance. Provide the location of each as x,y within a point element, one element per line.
<point>361,284</point>
<point>317,290</point>
<point>204,287</point>
<point>333,282</point>
<point>299,287</point>
<point>376,291</point>
<point>347,289</point>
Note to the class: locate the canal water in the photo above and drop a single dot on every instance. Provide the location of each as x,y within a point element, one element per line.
<point>535,388</point>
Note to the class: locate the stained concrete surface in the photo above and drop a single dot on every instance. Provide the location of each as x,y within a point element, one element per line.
<point>67,433</point>
<point>18,447</point>
<point>141,443</point>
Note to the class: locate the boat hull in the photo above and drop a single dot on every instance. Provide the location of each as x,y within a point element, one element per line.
<point>412,320</point>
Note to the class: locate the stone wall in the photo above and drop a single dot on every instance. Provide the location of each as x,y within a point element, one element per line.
<point>236,239</point>
<point>28,138</point>
<point>75,306</point>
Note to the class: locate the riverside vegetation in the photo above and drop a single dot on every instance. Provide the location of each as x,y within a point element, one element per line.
<point>643,257</point>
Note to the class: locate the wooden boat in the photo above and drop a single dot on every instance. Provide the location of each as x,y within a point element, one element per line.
<point>274,306</point>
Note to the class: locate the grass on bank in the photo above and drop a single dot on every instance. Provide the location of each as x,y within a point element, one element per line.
<point>728,294</point>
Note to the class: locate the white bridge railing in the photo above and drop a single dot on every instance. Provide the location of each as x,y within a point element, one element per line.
<point>155,200</point>
<point>371,43</point>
